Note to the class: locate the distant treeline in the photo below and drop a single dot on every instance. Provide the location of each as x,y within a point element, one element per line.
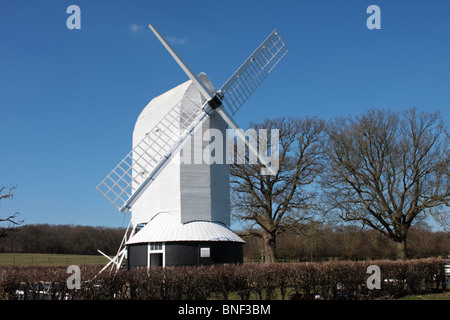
<point>323,242</point>
<point>316,242</point>
<point>64,239</point>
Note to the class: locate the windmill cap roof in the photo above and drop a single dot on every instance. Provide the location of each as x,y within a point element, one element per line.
<point>164,227</point>
<point>173,96</point>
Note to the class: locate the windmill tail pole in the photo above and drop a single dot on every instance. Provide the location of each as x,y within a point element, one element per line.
<point>121,252</point>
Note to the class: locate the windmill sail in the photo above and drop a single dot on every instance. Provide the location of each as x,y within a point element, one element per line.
<point>126,182</point>
<point>148,157</point>
<point>252,72</point>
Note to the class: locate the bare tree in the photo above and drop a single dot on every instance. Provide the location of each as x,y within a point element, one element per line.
<point>387,170</point>
<point>6,192</point>
<point>272,204</point>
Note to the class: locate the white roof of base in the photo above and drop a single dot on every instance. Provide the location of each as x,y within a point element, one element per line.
<point>164,227</point>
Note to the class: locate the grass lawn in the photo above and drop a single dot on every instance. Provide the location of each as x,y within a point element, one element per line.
<point>432,296</point>
<point>43,259</point>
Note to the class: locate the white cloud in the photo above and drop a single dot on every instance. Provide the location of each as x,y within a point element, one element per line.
<point>135,28</point>
<point>177,41</point>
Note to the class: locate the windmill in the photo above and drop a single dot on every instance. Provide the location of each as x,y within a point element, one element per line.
<point>180,214</point>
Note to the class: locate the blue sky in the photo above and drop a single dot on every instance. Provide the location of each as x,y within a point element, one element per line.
<point>69,98</point>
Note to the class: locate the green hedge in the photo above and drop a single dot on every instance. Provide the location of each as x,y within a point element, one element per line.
<point>327,280</point>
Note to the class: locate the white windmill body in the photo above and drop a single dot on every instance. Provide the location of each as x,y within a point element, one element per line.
<point>180,206</point>
<point>188,191</point>
<point>186,210</point>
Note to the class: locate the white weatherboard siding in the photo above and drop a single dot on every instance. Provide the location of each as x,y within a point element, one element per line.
<point>164,227</point>
<point>186,191</point>
<point>220,180</point>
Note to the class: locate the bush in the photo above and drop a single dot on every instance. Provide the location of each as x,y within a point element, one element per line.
<point>327,280</point>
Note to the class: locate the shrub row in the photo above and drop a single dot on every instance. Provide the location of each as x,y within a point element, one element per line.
<point>327,280</point>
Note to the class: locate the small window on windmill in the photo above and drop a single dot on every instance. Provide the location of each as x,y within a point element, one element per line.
<point>155,246</point>
<point>205,252</point>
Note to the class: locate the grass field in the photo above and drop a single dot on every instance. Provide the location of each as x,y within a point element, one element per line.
<point>43,259</point>
<point>432,296</point>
